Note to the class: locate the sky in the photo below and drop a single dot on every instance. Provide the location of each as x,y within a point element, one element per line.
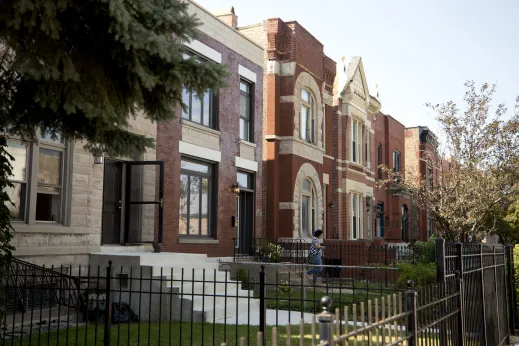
<point>416,51</point>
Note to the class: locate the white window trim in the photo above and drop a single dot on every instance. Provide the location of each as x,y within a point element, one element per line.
<point>310,116</point>
<point>357,124</point>
<point>312,207</point>
<point>359,218</point>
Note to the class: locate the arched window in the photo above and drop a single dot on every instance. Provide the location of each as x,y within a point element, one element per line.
<point>307,127</point>
<point>308,215</point>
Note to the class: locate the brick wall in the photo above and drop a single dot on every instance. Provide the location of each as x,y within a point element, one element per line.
<point>168,137</point>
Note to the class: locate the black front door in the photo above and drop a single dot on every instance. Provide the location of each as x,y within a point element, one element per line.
<point>246,222</point>
<point>112,202</point>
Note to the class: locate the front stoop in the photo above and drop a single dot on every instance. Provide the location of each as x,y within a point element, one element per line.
<point>183,286</point>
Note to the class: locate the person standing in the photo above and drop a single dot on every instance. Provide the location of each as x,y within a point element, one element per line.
<point>315,255</point>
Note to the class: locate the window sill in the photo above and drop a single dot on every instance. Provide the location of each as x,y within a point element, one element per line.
<point>250,144</point>
<point>203,128</point>
<point>197,240</point>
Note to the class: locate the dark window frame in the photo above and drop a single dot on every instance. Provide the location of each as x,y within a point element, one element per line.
<point>213,102</point>
<point>211,209</point>
<point>250,97</point>
<point>379,159</point>
<point>397,161</point>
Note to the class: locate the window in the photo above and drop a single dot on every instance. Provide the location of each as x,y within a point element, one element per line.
<point>356,216</point>
<point>308,206</point>
<point>245,180</point>
<point>396,161</point>
<point>430,177</point>
<point>45,160</point>
<point>379,159</point>
<point>356,141</point>
<point>430,225</point>
<point>369,217</point>
<point>380,220</point>
<point>196,196</point>
<point>307,117</point>
<point>246,129</point>
<point>17,193</point>
<point>198,110</point>
<point>366,149</point>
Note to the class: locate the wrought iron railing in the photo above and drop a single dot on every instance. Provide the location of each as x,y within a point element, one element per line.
<point>29,286</point>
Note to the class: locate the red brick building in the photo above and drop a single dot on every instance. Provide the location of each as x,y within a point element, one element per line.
<point>212,152</point>
<point>421,146</point>
<point>392,209</point>
<point>298,130</point>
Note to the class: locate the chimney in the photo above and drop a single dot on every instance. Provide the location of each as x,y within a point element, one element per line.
<point>228,17</point>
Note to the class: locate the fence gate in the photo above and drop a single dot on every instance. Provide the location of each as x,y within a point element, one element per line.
<point>487,301</point>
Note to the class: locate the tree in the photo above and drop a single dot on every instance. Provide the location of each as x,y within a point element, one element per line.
<point>82,68</point>
<point>476,167</point>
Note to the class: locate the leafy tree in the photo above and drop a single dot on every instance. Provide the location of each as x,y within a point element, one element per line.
<point>82,68</point>
<point>476,167</point>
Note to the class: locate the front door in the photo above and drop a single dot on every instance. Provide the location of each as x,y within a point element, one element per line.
<point>246,222</point>
<point>112,202</point>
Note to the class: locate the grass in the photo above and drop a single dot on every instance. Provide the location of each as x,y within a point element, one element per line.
<point>159,334</point>
<point>295,299</point>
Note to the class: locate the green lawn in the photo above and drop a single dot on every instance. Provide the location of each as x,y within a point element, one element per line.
<point>159,334</point>
<point>296,299</point>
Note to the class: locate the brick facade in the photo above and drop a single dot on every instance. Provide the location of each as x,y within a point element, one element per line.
<point>295,60</point>
<point>390,136</point>
<point>224,140</point>
<point>420,147</point>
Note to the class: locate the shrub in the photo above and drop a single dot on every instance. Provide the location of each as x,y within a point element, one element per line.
<point>270,253</point>
<point>422,274</point>
<point>423,251</point>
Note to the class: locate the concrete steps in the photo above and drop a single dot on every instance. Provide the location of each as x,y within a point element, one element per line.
<point>199,287</point>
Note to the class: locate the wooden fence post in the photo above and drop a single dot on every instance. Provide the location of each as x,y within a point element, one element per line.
<point>325,319</point>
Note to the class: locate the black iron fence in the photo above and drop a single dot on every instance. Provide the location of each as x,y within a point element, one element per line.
<point>338,252</point>
<point>171,306</point>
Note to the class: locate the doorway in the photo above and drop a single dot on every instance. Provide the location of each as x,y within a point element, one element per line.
<point>112,202</point>
<point>245,210</point>
<point>132,202</point>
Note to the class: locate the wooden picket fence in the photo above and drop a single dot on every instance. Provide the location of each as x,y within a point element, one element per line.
<point>430,316</point>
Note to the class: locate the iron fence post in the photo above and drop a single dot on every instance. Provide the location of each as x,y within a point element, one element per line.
<point>325,319</point>
<point>412,325</point>
<point>512,303</point>
<point>440,259</point>
<point>385,260</point>
<point>108,306</point>
<point>459,276</point>
<point>263,306</point>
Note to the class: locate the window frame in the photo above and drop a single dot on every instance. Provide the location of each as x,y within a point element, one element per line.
<point>25,182</point>
<point>430,177</point>
<point>250,96</point>
<point>312,209</point>
<point>66,148</point>
<point>380,231</point>
<point>213,101</point>
<point>379,159</point>
<point>397,155</point>
<point>309,134</point>
<point>211,210</point>
<point>61,148</point>
<point>356,220</point>
<point>356,141</point>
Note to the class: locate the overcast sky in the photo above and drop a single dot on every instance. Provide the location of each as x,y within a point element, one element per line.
<point>416,51</point>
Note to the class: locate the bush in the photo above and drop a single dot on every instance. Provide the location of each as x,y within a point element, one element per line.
<point>423,251</point>
<point>422,274</point>
<point>269,253</point>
